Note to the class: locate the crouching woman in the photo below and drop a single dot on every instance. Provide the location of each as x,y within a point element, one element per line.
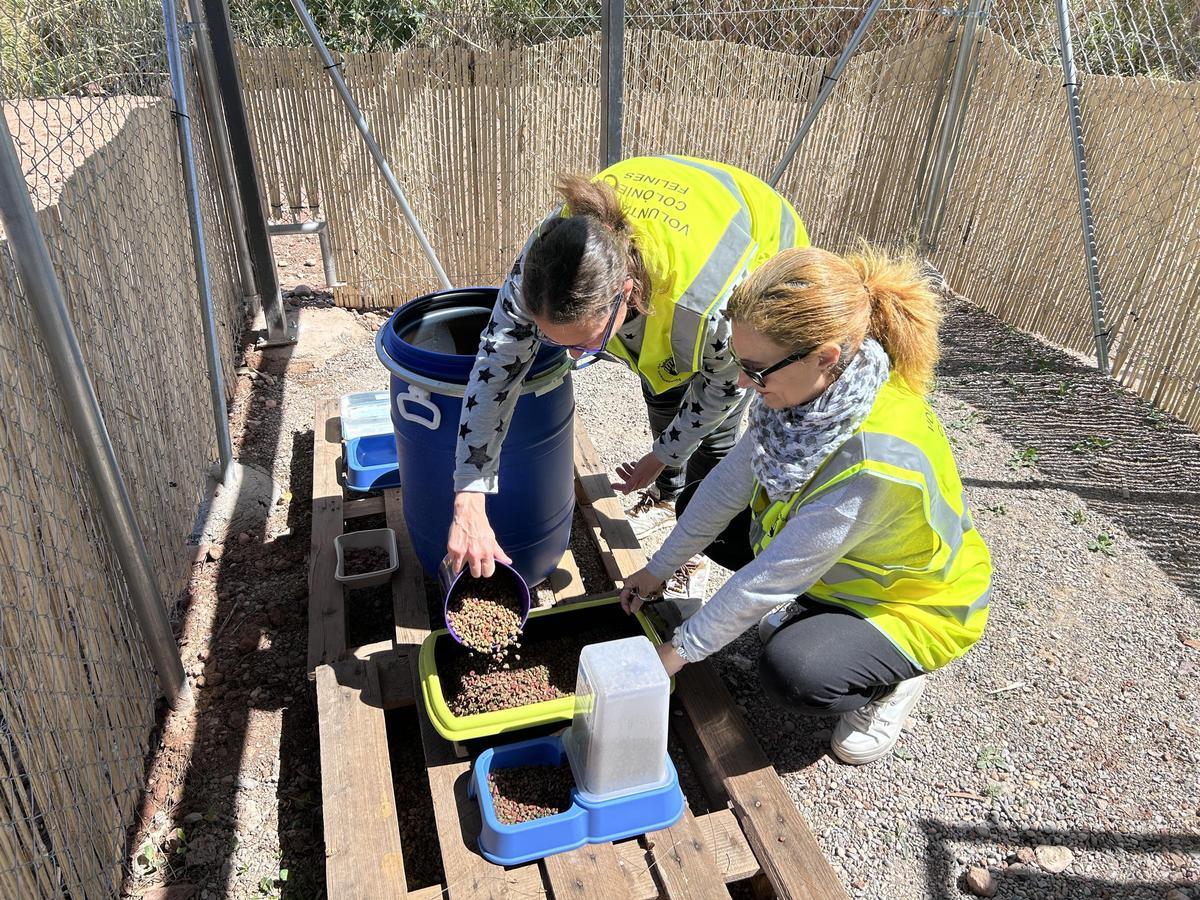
<point>840,510</point>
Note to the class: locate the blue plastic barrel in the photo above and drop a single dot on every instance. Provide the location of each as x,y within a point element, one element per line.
<point>429,347</point>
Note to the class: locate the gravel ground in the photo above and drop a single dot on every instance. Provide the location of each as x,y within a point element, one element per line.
<point>1073,724</point>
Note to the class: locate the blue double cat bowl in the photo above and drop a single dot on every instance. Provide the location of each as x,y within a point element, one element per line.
<point>371,462</point>
<point>585,822</point>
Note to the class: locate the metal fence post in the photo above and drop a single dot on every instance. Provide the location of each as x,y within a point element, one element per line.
<point>339,84</point>
<point>49,307</point>
<point>222,155</point>
<point>612,80</point>
<point>230,83</point>
<point>827,86</point>
<point>951,119</point>
<point>212,352</point>
<point>1075,123</point>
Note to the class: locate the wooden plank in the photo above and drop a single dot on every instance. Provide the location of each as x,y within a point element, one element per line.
<point>392,667</point>
<point>785,847</point>
<point>594,489</point>
<point>433,892</point>
<point>706,773</point>
<point>684,863</point>
<point>591,872</point>
<point>565,581</point>
<point>358,509</point>
<point>636,868</point>
<point>725,841</point>
<point>456,818</point>
<point>326,598</point>
<point>410,610</point>
<point>362,833</point>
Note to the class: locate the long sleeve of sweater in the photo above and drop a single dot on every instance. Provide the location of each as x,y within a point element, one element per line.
<point>506,350</point>
<point>816,536</point>
<point>712,393</point>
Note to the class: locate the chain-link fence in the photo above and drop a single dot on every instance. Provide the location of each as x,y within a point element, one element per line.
<point>86,97</point>
<point>1012,238</point>
<point>947,129</point>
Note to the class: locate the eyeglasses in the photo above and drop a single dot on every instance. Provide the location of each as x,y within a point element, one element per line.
<point>758,377</point>
<point>618,301</point>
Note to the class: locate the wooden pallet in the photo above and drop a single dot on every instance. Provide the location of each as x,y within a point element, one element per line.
<point>755,833</point>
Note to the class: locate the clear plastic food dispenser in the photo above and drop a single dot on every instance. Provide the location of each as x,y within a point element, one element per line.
<point>617,741</point>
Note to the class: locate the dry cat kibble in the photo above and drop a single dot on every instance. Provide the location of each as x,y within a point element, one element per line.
<point>524,793</point>
<point>485,613</point>
<point>361,560</point>
<point>541,670</point>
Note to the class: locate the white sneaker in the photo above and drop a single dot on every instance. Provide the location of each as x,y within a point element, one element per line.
<point>685,591</point>
<point>867,734</point>
<point>773,621</point>
<point>651,512</point>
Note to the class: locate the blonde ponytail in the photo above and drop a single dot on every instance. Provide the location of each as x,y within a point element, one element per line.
<point>905,313</point>
<point>808,297</point>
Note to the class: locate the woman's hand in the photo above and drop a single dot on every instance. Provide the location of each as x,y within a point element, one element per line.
<point>670,659</point>
<point>471,539</point>
<point>639,587</point>
<point>637,475</point>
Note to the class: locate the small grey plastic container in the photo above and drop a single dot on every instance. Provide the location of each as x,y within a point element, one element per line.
<point>383,538</point>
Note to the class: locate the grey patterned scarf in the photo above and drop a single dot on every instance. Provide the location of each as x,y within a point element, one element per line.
<point>790,444</point>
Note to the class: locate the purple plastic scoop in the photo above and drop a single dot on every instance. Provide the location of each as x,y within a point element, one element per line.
<point>452,583</point>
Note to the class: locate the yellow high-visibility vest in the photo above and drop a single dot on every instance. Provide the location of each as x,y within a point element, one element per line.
<point>701,227</point>
<point>927,582</point>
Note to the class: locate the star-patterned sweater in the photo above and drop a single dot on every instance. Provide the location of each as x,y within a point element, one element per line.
<point>506,351</point>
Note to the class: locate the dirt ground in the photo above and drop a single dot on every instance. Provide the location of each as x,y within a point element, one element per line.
<point>1060,755</point>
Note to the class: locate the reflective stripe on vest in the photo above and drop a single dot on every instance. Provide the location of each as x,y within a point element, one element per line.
<point>926,588</point>
<point>700,227</point>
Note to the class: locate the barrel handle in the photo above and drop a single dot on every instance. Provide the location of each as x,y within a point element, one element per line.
<point>419,396</point>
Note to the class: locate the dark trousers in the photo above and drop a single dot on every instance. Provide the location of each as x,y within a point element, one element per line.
<point>661,410</point>
<point>825,659</point>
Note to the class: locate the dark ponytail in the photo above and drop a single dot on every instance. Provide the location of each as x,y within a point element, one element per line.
<point>577,263</point>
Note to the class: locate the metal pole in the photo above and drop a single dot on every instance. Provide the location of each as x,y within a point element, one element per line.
<point>230,83</point>
<point>1075,123</point>
<point>931,129</point>
<point>950,119</point>
<point>960,123</point>
<point>212,351</point>
<point>222,155</point>
<point>827,86</point>
<point>49,308</point>
<point>612,80</point>
<point>321,230</point>
<point>339,84</point>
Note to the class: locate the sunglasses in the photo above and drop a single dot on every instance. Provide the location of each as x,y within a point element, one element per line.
<point>618,301</point>
<point>758,377</point>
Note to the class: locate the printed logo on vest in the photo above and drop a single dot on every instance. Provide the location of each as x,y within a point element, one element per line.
<point>667,370</point>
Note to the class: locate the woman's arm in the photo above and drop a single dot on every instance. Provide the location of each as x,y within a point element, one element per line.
<point>817,535</point>
<point>723,493</point>
<point>506,351</point>
<point>711,396</point>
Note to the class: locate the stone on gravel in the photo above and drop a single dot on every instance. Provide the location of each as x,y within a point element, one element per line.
<point>981,882</point>
<point>1054,859</point>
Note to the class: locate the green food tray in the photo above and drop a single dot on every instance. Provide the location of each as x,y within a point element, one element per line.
<point>543,623</point>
